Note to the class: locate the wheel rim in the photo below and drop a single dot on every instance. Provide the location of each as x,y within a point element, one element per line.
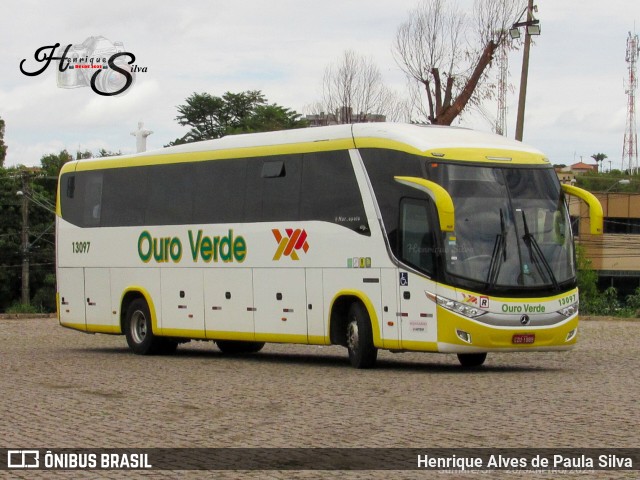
<point>138,326</point>
<point>352,336</point>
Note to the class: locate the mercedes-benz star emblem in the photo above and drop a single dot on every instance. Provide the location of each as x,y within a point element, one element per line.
<point>524,319</point>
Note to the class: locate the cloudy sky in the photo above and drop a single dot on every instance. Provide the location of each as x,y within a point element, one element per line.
<point>576,103</point>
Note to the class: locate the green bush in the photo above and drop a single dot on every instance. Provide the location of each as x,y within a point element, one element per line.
<point>45,297</point>
<point>633,303</point>
<point>22,308</point>
<point>595,302</point>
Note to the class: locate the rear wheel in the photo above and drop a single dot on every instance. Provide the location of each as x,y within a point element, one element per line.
<point>236,346</point>
<point>139,331</point>
<point>362,353</point>
<point>470,360</point>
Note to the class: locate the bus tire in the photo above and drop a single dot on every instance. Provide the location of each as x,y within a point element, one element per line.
<point>139,331</point>
<point>471,360</point>
<point>362,352</point>
<point>236,346</point>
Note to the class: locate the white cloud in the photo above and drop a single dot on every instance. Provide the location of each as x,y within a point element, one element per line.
<point>575,97</point>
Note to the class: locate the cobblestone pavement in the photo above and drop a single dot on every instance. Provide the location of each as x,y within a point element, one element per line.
<point>61,388</point>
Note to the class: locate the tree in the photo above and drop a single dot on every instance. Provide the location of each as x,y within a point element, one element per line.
<point>213,117</point>
<point>3,147</point>
<point>267,118</point>
<point>449,56</point>
<point>10,252</point>
<point>52,163</point>
<point>39,250</point>
<point>353,91</point>
<point>107,153</point>
<point>599,157</point>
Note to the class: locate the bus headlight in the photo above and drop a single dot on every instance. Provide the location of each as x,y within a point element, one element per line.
<point>569,310</point>
<point>457,307</point>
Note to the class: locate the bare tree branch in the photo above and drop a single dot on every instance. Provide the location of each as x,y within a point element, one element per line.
<point>439,41</point>
<point>353,91</point>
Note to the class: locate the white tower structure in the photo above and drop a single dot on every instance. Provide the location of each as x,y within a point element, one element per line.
<point>630,145</point>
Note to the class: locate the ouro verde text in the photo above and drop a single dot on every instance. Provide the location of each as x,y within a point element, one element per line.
<point>227,248</point>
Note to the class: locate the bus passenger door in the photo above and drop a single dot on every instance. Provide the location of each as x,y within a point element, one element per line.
<point>280,302</point>
<point>71,297</point>
<point>228,303</point>
<point>417,249</point>
<point>97,288</point>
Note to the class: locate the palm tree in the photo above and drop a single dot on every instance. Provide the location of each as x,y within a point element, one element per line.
<point>599,157</point>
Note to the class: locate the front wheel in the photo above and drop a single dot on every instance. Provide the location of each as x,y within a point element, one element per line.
<point>362,352</point>
<point>139,332</point>
<point>470,360</point>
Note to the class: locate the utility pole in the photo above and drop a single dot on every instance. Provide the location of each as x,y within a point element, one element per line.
<point>503,77</point>
<point>26,295</point>
<point>524,74</point>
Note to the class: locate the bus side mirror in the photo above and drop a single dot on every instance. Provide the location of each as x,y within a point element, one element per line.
<point>595,208</point>
<point>441,198</point>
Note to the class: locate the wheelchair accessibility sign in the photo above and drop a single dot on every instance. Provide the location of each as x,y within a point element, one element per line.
<point>404,279</point>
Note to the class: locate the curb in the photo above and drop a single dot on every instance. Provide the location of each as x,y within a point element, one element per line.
<point>26,316</point>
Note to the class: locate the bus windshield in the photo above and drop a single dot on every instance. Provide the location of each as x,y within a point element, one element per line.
<point>512,228</point>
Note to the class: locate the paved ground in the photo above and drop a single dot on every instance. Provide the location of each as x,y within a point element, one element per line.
<point>61,388</point>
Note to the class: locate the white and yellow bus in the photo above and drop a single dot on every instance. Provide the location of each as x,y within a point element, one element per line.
<point>370,236</point>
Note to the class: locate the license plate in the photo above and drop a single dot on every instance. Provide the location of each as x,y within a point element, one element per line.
<point>523,338</point>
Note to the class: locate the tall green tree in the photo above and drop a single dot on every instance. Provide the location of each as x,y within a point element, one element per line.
<point>83,155</point>
<point>599,157</point>
<point>52,163</point>
<point>212,117</point>
<point>42,241</point>
<point>108,153</point>
<point>41,237</point>
<point>3,147</point>
<point>10,223</point>
<point>267,118</point>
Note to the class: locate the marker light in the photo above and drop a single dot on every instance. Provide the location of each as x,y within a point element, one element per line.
<point>571,335</point>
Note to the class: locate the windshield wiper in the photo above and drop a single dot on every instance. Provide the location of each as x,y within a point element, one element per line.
<point>536,254</point>
<point>499,254</point>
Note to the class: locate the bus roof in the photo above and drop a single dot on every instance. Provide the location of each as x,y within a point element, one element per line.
<point>437,142</point>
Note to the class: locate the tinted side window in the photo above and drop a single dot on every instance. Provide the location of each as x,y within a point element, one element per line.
<point>71,201</point>
<point>170,194</point>
<point>219,187</point>
<point>81,198</point>
<point>315,186</point>
<point>382,166</point>
<point>273,189</point>
<point>124,197</point>
<point>92,194</point>
<point>330,191</point>
<point>417,237</point>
